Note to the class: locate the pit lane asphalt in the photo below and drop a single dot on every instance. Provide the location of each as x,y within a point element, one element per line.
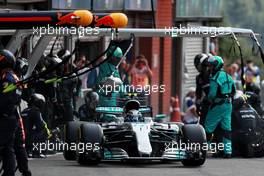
<point>57,166</point>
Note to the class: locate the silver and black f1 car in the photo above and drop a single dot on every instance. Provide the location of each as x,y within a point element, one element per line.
<point>129,133</point>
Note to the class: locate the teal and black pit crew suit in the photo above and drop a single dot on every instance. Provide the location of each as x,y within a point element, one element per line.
<point>105,70</point>
<point>221,91</point>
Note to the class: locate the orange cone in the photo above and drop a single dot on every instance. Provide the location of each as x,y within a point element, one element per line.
<point>176,112</point>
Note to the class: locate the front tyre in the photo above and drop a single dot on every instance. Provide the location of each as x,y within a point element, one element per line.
<point>194,134</point>
<point>71,137</point>
<point>91,140</point>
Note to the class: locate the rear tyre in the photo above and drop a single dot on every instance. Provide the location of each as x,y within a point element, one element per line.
<point>246,150</point>
<point>252,145</point>
<point>71,130</point>
<point>91,138</point>
<point>194,134</point>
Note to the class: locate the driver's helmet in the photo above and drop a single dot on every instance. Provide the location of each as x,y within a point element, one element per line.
<point>200,61</point>
<point>133,116</point>
<point>91,100</point>
<point>116,56</point>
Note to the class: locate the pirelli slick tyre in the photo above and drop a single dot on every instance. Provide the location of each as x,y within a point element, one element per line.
<point>247,150</point>
<point>71,134</point>
<point>91,138</point>
<point>259,150</point>
<point>252,146</point>
<point>194,134</point>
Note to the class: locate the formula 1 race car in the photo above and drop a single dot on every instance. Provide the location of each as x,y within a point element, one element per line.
<point>130,134</point>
